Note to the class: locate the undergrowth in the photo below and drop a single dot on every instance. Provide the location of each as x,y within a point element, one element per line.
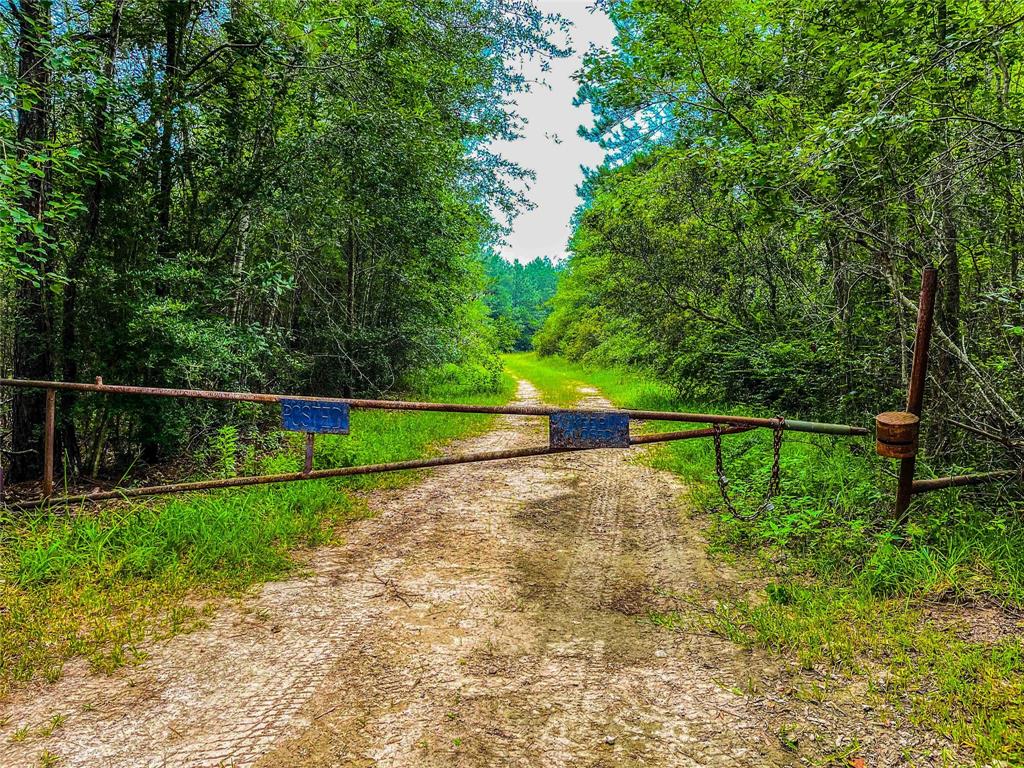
<point>97,582</point>
<point>848,586</point>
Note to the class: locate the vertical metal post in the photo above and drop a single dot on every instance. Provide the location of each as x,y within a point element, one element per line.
<point>918,377</point>
<point>48,440</point>
<point>309,454</point>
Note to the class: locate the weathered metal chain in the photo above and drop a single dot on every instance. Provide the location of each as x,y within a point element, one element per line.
<point>774,482</point>
<point>774,485</point>
<point>723,481</point>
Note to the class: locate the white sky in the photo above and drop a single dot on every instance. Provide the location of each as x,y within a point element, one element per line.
<point>551,116</point>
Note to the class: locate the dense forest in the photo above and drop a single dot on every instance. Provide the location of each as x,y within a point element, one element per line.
<point>245,195</point>
<point>518,297</point>
<point>779,174</point>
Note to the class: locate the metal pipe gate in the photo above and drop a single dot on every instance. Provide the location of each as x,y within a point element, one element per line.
<point>570,429</point>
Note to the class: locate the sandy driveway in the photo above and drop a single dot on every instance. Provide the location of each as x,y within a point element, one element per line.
<point>490,615</point>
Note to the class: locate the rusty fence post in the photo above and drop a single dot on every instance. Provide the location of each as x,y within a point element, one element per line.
<point>308,466</point>
<point>48,440</point>
<point>918,378</point>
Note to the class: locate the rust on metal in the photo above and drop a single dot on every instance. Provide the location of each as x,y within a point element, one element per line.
<point>792,425</point>
<point>896,450</point>
<point>660,437</point>
<point>896,434</point>
<point>407,405</point>
<point>958,481</point>
<point>897,426</point>
<point>897,431</point>
<point>918,377</point>
<point>587,429</point>
<point>922,343</point>
<point>319,474</point>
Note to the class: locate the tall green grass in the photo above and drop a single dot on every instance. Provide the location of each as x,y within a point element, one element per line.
<point>558,386</point>
<point>847,583</point>
<point>96,582</point>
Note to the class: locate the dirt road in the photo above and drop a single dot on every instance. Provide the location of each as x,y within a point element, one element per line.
<point>490,615</point>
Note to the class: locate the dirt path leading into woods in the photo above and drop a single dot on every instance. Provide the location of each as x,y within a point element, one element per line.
<point>490,615</point>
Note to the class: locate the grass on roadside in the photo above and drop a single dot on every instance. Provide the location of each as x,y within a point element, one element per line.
<point>968,691</point>
<point>848,584</point>
<point>559,382</point>
<point>96,583</point>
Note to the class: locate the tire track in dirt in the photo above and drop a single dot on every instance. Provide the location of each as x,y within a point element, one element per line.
<point>486,616</point>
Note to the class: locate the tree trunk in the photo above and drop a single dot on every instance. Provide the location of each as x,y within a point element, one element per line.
<point>350,309</point>
<point>352,258</point>
<point>841,296</point>
<point>90,231</point>
<point>238,266</point>
<point>33,356</point>
<point>1013,241</point>
<point>173,16</point>
<point>948,314</point>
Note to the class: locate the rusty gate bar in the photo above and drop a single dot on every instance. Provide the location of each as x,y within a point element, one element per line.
<point>366,469</point>
<point>792,425</point>
<point>660,437</point>
<point>958,481</point>
<point>406,405</point>
<point>316,474</point>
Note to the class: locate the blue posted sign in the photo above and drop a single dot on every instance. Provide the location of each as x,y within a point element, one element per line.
<point>575,429</point>
<point>323,416</point>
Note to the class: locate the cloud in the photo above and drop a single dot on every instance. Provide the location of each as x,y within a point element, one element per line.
<point>550,146</point>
